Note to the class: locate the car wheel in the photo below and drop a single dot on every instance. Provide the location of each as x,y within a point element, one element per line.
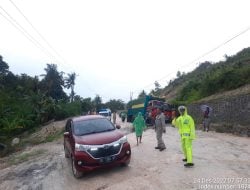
<point>75,172</point>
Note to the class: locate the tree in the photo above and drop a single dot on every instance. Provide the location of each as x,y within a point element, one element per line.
<point>142,94</point>
<point>178,74</point>
<point>78,98</point>
<point>115,105</point>
<point>42,106</point>
<point>97,102</point>
<point>4,67</point>
<point>87,105</point>
<point>170,82</point>
<point>152,92</point>
<point>8,81</point>
<point>53,83</point>
<point>157,90</point>
<point>157,86</point>
<point>27,84</point>
<point>70,83</point>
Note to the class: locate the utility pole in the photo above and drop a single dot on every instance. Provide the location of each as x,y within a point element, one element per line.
<point>131,96</point>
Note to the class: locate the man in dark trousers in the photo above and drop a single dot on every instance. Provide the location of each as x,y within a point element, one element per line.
<point>206,119</point>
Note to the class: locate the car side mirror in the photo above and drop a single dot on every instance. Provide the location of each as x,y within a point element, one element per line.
<point>66,134</point>
<point>117,126</point>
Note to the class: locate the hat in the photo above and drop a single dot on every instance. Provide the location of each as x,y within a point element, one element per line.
<point>181,108</point>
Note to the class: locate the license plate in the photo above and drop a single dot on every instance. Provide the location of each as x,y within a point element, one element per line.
<point>107,159</point>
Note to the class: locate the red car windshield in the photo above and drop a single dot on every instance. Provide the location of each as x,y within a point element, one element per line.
<point>91,126</point>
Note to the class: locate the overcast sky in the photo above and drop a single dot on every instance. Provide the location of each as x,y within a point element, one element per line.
<point>116,47</point>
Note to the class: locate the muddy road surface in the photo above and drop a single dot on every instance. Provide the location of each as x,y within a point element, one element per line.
<point>222,161</point>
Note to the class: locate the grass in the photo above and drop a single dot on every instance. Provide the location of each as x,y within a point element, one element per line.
<point>26,141</point>
<point>23,157</point>
<point>44,138</point>
<point>54,136</point>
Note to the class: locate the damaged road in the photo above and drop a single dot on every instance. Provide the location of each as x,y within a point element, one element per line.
<point>219,159</point>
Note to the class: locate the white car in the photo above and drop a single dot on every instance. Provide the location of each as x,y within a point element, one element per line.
<point>106,114</point>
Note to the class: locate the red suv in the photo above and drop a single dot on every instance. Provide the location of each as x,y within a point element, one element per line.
<point>93,142</point>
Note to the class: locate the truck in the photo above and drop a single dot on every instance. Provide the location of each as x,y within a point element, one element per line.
<point>148,107</point>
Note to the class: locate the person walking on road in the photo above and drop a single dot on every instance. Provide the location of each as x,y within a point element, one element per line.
<point>114,117</point>
<point>139,125</point>
<point>159,127</point>
<point>187,130</point>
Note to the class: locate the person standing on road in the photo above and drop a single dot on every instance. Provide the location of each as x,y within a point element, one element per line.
<point>123,116</point>
<point>159,128</point>
<point>206,119</point>
<point>139,125</point>
<point>175,123</point>
<point>114,117</point>
<point>187,129</point>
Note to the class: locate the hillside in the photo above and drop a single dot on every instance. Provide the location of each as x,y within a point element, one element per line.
<point>210,78</point>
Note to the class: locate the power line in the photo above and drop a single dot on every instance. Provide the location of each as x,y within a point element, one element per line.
<point>27,36</point>
<point>222,44</point>
<point>203,55</point>
<point>21,29</point>
<point>25,33</point>
<point>34,28</point>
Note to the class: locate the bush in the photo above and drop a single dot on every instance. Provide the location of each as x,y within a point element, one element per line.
<point>67,110</point>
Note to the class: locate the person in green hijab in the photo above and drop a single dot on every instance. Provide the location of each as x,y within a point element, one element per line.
<point>139,125</point>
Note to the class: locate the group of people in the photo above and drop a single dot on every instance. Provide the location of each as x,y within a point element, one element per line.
<point>185,125</point>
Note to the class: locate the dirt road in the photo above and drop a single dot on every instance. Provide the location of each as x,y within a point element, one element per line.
<point>221,162</point>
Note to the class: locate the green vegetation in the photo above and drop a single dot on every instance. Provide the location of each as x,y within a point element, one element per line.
<point>53,137</point>
<point>208,78</point>
<point>27,102</point>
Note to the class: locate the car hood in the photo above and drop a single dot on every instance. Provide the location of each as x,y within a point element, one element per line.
<point>99,138</point>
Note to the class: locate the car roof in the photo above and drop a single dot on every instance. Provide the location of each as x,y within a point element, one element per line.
<point>86,117</point>
<point>103,111</point>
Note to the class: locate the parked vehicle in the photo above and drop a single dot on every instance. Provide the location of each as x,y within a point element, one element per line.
<point>148,106</point>
<point>106,113</point>
<point>93,142</point>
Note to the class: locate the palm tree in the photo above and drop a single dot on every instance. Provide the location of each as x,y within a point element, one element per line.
<point>70,83</point>
<point>53,83</point>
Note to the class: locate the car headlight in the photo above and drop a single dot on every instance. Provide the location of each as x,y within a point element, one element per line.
<point>81,147</point>
<point>123,139</point>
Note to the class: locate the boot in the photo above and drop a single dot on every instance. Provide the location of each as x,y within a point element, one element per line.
<point>161,149</point>
<point>188,164</point>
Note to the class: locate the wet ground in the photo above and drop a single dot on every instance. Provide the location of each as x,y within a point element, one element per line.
<point>221,162</point>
